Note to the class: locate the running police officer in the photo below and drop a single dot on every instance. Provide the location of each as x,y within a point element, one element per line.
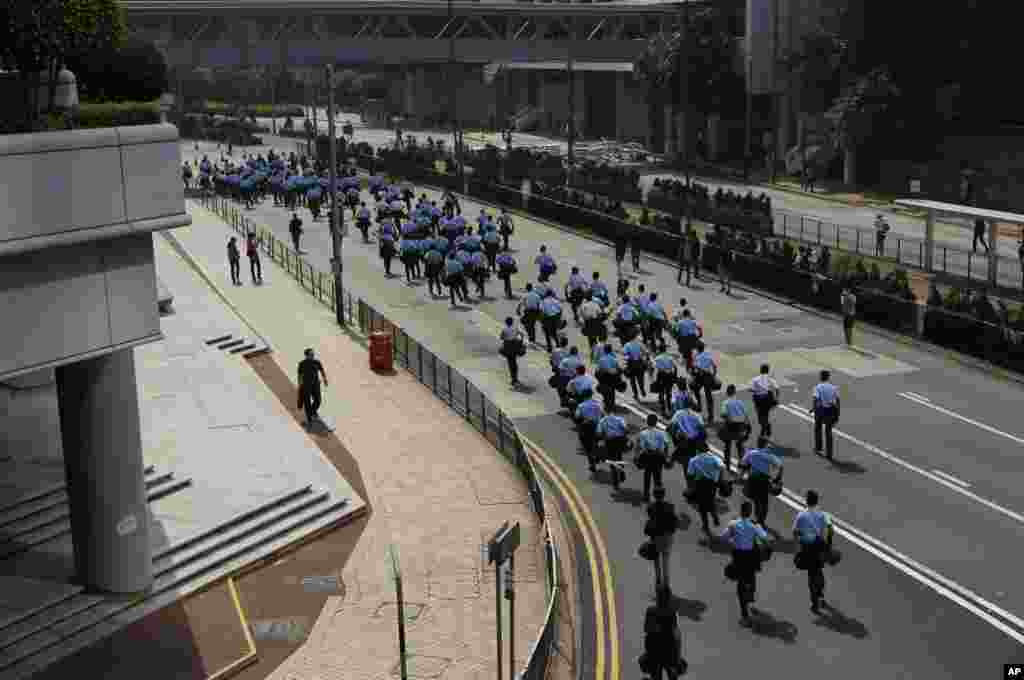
<point>567,369</point>
<point>760,464</point>
<point>746,538</point>
<point>636,366</point>
<point>546,264</point>
<point>512,347</point>
<point>581,388</point>
<point>687,333</point>
<point>506,268</point>
<point>765,393</point>
<point>735,425</point>
<point>813,529</point>
<point>575,292</point>
<point>688,434</point>
<point>551,319</point>
<point>612,431</point>
<point>593,317</point>
<point>665,377</point>
<point>588,414</point>
<point>705,471</point>
<point>705,378</point>
<point>529,312</point>
<point>609,377</point>
<point>652,454</point>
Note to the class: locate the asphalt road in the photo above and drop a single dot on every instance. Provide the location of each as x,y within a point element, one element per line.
<point>885,482</point>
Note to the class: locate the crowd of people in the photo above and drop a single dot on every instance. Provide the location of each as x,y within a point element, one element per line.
<point>722,200</point>
<point>437,243</point>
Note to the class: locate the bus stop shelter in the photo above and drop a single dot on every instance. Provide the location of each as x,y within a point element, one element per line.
<point>991,217</point>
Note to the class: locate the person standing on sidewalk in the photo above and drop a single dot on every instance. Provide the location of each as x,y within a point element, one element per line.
<point>512,347</point>
<point>621,246</point>
<point>725,263</point>
<point>634,253</point>
<point>661,526</point>
<point>848,302</point>
<point>745,537</point>
<point>234,260</point>
<point>295,229</point>
<point>310,371</point>
<point>979,235</point>
<point>813,529</point>
<point>881,230</point>
<point>687,258</point>
<point>252,249</point>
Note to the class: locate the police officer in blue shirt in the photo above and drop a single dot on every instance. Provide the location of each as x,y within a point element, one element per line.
<point>688,434</point>
<point>627,319</point>
<point>599,291</point>
<point>759,464</point>
<point>813,529</point>
<point>505,226</point>
<point>551,319</point>
<point>826,413</point>
<point>746,537</point>
<point>453,278</point>
<point>386,239</point>
<point>735,426</point>
<point>609,377</point>
<point>575,292</point>
<point>481,272</point>
<point>665,377</point>
<point>408,251</point>
<point>588,414</point>
<point>704,471</point>
<point>529,312</point>
<point>506,268</point>
<point>581,387</point>
<point>655,322</point>
<point>442,245</point>
<point>561,352</point>
<point>687,333</point>
<point>636,366</point>
<point>613,432</point>
<point>567,369</point>
<point>546,264</point>
<point>652,454</point>
<point>363,221</point>
<point>434,261</point>
<point>492,244</point>
<point>512,347</point>
<point>705,378</point>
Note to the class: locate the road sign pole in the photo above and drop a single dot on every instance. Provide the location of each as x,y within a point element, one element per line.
<point>497,602</point>
<point>511,617</point>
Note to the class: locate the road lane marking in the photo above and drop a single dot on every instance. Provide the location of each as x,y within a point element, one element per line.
<point>797,410</point>
<point>955,480</point>
<point>988,428</point>
<point>919,396</point>
<point>591,537</point>
<point>997,617</point>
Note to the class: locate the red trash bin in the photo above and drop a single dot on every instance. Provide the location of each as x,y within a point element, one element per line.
<point>380,352</point>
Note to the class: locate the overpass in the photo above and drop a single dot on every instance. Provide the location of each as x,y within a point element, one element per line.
<point>304,33</point>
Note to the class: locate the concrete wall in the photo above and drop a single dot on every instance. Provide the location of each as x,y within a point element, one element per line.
<point>76,250</point>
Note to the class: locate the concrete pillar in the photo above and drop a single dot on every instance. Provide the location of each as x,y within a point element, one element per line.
<point>620,106</point>
<point>929,241</point>
<point>99,421</point>
<point>993,253</point>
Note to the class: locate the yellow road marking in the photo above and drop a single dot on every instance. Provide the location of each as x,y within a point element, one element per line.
<point>588,528</point>
<point>250,656</point>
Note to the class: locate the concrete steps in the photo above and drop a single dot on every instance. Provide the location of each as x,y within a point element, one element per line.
<point>46,635</point>
<point>233,345</point>
<point>47,518</point>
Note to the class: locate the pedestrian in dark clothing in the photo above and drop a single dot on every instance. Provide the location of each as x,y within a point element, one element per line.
<point>663,650</point>
<point>295,229</point>
<point>234,260</point>
<point>253,251</point>
<point>979,235</point>
<point>661,526</point>
<point>310,370</point>
<point>621,245</point>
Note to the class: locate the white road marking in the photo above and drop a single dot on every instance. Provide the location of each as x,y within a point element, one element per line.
<point>919,396</point>
<point>951,478</point>
<point>996,616</point>
<point>988,428</point>
<point>798,411</point>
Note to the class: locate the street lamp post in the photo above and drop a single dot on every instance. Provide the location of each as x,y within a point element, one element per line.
<point>336,217</point>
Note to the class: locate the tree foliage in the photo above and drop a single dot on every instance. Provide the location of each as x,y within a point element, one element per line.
<point>136,71</point>
<point>706,51</point>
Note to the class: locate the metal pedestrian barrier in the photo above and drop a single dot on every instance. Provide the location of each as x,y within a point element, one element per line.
<point>444,381</point>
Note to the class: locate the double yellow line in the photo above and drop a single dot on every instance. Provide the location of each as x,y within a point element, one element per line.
<point>605,618</point>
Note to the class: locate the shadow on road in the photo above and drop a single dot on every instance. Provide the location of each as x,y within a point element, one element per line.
<point>766,625</point>
<point>848,467</point>
<point>691,609</point>
<point>835,620</point>
<point>786,451</point>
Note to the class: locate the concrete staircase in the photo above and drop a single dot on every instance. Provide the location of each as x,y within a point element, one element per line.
<point>233,345</point>
<point>51,620</point>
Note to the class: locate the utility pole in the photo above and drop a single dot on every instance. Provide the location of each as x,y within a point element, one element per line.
<point>749,115</point>
<point>336,217</point>
<point>571,155</point>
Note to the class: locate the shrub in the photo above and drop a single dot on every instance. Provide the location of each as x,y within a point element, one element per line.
<point>111,114</point>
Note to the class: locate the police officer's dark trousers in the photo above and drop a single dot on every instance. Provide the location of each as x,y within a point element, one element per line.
<point>507,278</point>
<point>747,563</point>
<point>703,382</point>
<point>824,419</point>
<point>530,324</point>
<point>513,366</point>
<point>652,473</point>
<point>588,439</point>
<point>550,326</point>
<point>760,493</point>
<point>235,270</point>
<point>762,405</point>
<point>814,557</point>
<point>635,369</point>
<point>706,491</point>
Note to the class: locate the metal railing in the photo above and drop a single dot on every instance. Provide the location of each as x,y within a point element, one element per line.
<point>444,381</point>
<point>905,250</point>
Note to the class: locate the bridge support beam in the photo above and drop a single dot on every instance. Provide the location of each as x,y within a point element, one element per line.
<point>99,423</point>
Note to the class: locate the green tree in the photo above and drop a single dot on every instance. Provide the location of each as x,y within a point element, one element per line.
<point>861,109</point>
<point>136,71</point>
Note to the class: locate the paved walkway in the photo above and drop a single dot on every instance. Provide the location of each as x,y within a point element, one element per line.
<point>437,490</point>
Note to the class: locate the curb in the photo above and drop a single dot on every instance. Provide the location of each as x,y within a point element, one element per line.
<point>971,362</point>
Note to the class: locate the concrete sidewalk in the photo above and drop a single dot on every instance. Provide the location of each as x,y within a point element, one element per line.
<point>437,489</point>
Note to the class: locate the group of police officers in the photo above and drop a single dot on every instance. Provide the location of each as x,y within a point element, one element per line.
<point>436,243</point>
